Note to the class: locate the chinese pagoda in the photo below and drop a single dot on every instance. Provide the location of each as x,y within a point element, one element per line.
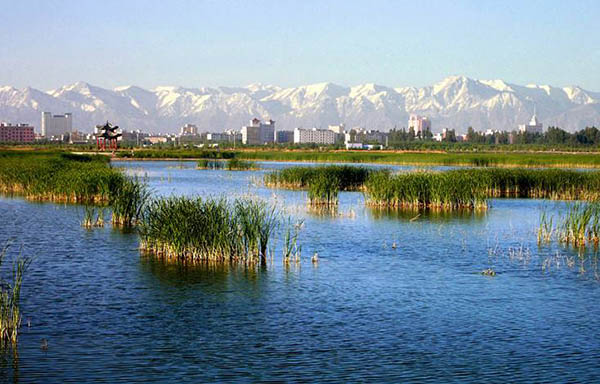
<point>108,134</point>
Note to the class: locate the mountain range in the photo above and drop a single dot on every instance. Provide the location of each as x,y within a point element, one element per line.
<point>455,102</point>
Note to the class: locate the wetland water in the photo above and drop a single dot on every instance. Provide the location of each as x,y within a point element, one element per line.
<point>368,311</point>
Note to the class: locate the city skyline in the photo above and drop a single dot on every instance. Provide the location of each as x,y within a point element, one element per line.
<point>232,43</point>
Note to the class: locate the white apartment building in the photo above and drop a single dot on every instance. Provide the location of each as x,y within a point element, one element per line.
<point>56,125</point>
<point>314,136</point>
<point>258,133</point>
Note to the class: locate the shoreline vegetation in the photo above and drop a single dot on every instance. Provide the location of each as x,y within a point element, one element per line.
<point>447,190</point>
<point>63,177</point>
<point>392,157</point>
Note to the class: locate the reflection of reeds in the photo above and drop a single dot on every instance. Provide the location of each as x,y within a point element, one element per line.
<point>10,297</point>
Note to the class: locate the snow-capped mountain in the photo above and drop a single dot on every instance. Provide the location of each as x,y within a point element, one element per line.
<point>455,102</point>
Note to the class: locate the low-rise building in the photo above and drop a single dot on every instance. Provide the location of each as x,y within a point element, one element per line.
<point>314,136</point>
<point>18,133</point>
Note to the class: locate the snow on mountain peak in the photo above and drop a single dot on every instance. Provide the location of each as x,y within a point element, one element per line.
<point>454,102</point>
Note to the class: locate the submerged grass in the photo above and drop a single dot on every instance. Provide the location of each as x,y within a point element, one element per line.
<point>208,229</point>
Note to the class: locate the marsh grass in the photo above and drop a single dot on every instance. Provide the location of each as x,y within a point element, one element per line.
<point>346,177</point>
<point>470,188</point>
<point>128,203</point>
<point>213,164</point>
<point>236,164</point>
<point>425,190</point>
<point>10,299</point>
<point>208,229</point>
<point>93,217</point>
<point>291,249</point>
<point>58,177</point>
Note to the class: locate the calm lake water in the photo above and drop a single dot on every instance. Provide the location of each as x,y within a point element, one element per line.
<point>368,312</point>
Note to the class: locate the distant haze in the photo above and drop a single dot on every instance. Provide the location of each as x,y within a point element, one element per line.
<point>455,102</point>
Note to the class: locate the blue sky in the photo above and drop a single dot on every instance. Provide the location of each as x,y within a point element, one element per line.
<point>45,44</point>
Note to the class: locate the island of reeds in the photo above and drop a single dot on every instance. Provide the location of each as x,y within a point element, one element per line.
<point>210,229</point>
<point>454,189</point>
<point>323,182</point>
<point>233,164</point>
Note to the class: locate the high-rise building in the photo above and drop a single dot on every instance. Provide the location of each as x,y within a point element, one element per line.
<point>19,133</point>
<point>420,124</point>
<point>258,133</point>
<point>56,125</point>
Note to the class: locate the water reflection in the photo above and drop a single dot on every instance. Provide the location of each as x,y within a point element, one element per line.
<point>210,274</point>
<point>432,215</point>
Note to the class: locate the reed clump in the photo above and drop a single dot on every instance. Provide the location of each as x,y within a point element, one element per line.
<point>209,229</point>
<point>92,217</point>
<point>212,164</point>
<point>577,226</point>
<point>232,164</point>
<point>424,189</point>
<point>235,164</point>
<point>346,177</point>
<point>128,203</point>
<point>10,298</point>
<point>323,190</point>
<point>470,188</point>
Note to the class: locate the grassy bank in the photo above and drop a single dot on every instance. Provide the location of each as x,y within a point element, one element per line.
<point>59,177</point>
<point>495,159</point>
